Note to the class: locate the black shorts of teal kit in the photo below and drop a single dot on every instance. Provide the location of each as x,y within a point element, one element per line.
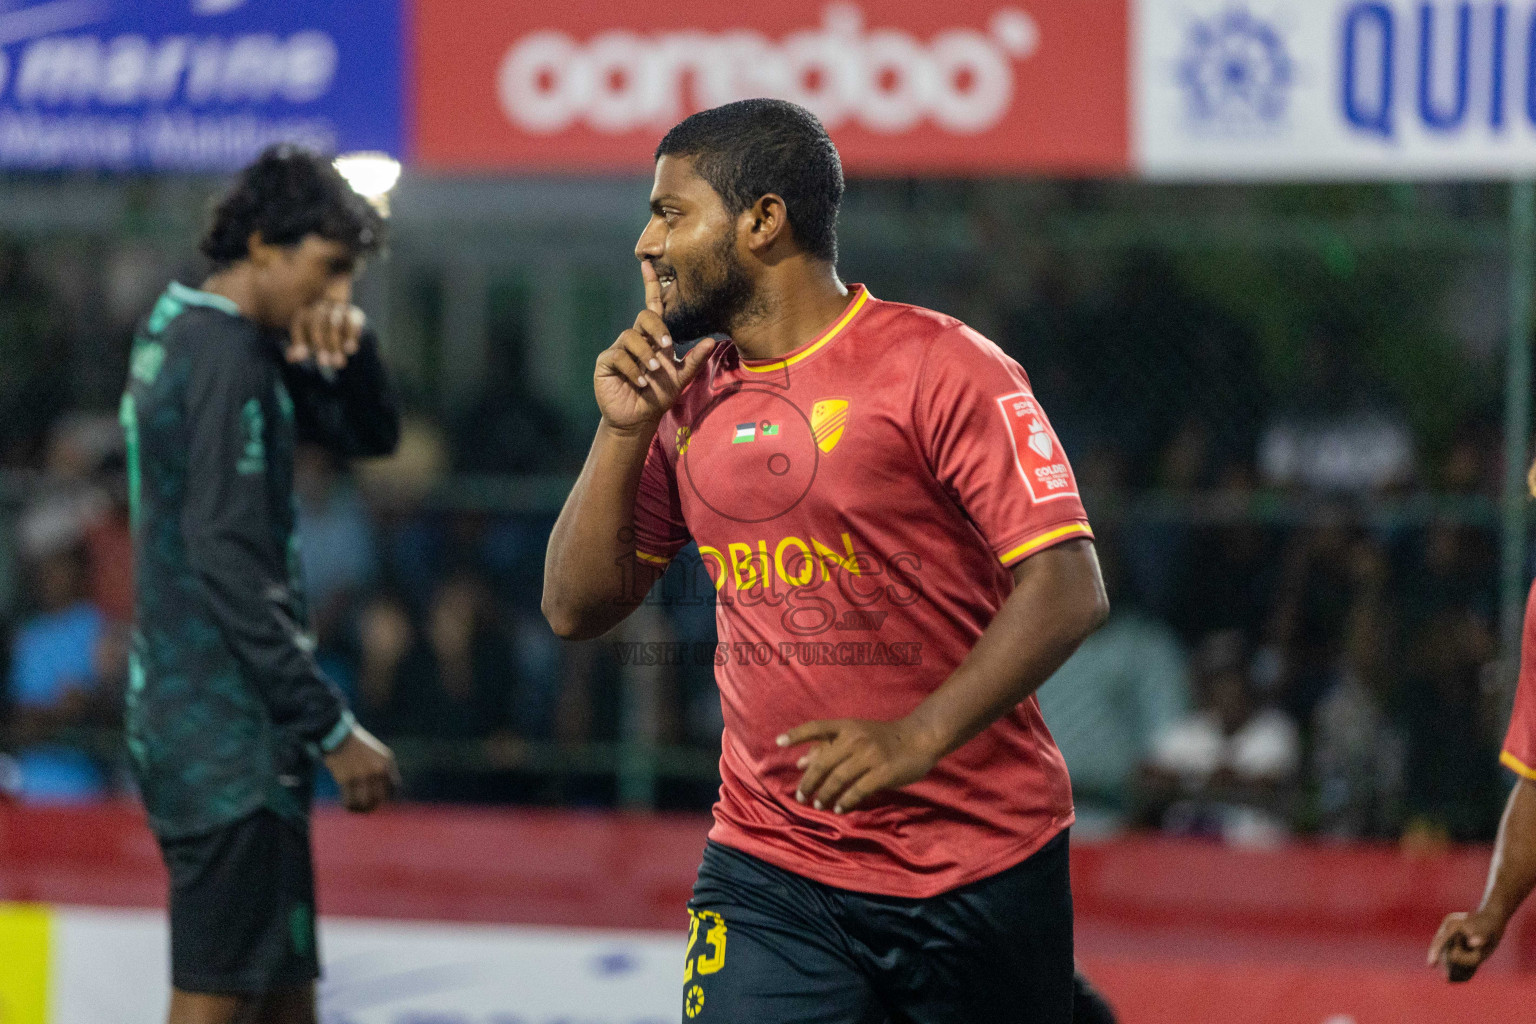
<point>243,908</point>
<point>767,946</point>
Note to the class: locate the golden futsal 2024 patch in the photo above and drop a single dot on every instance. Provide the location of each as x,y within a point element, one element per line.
<point>1036,451</point>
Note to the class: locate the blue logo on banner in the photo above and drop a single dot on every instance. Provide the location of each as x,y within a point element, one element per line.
<point>193,85</point>
<point>1236,73</point>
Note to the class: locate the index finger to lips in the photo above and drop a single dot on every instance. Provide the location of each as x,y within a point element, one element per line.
<point>652,286</point>
<point>640,349</point>
<point>654,327</point>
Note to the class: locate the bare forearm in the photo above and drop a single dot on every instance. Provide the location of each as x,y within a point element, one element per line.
<point>590,572</point>
<point>1057,602</point>
<point>1512,873</point>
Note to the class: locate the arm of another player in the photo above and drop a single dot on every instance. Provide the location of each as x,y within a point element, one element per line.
<point>342,397</point>
<point>1464,940</point>
<point>1057,601</point>
<point>592,579</point>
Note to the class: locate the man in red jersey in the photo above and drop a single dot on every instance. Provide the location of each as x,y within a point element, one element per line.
<point>1465,940</point>
<point>900,559</point>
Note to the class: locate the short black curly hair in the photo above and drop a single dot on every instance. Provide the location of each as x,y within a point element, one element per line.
<point>750,148</point>
<point>288,193</point>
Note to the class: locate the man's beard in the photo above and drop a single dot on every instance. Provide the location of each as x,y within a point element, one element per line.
<point>716,302</point>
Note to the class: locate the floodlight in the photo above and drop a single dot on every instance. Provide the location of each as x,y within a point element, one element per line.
<point>371,175</point>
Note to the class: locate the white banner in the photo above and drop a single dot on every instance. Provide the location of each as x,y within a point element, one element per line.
<point>1332,88</point>
<point>111,965</point>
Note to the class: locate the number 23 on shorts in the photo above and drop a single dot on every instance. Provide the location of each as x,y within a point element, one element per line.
<point>709,926</point>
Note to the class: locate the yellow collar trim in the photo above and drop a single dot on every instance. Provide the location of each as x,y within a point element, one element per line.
<point>816,345</point>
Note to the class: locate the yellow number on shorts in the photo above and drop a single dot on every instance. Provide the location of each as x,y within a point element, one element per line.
<point>713,959</point>
<point>693,936</point>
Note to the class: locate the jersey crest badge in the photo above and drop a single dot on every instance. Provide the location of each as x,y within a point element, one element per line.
<point>828,418</point>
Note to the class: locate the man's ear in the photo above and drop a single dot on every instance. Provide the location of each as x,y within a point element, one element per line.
<point>261,254</point>
<point>767,221</point>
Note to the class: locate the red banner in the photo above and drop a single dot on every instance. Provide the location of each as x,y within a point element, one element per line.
<point>968,86</point>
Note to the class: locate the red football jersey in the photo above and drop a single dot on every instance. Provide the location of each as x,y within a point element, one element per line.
<point>1519,754</point>
<point>857,505</point>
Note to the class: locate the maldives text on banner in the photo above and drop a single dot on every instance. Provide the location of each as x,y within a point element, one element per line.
<point>195,85</point>
<point>982,86</point>
<point>1334,89</point>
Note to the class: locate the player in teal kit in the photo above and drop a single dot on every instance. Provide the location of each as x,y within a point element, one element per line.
<point>227,712</point>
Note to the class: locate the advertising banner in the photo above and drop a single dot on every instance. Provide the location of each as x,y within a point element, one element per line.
<point>1334,88</point>
<point>194,85</point>
<point>974,86</point>
<point>84,966</point>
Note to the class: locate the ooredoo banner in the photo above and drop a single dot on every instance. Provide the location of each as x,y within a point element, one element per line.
<point>962,87</point>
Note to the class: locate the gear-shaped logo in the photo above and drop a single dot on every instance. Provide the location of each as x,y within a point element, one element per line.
<point>693,1003</point>
<point>1236,72</point>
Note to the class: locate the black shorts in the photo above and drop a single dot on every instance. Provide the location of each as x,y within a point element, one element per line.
<point>243,908</point>
<point>767,946</point>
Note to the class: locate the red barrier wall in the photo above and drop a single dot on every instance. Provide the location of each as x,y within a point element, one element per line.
<point>1138,900</point>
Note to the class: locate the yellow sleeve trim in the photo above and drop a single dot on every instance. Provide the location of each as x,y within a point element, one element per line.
<point>1042,539</point>
<point>653,559</point>
<point>1517,766</point>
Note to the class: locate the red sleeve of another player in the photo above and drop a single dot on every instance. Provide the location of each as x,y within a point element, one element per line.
<point>991,446</point>
<point>659,528</point>
<point>1519,753</point>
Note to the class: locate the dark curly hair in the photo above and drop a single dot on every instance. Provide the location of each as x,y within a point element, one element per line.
<point>750,148</point>
<point>288,193</point>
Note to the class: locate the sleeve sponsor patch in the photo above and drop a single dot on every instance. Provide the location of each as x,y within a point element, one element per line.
<point>1036,451</point>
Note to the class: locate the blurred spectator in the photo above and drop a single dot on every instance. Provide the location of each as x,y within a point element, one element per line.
<point>614,691</point>
<point>65,665</point>
<point>32,391</point>
<point>336,537</point>
<point>506,434</point>
<point>83,497</point>
<point>1127,684</point>
<point>1359,756</point>
<point>109,547</point>
<point>1227,578</point>
<point>1473,463</point>
<point>1230,769</point>
<point>385,636</point>
<point>1453,727</point>
<point>456,683</point>
<point>1324,565</point>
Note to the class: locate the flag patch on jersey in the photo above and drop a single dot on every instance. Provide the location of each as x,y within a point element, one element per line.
<point>747,432</point>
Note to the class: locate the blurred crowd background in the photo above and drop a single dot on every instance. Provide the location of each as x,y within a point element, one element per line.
<point>1283,404</point>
